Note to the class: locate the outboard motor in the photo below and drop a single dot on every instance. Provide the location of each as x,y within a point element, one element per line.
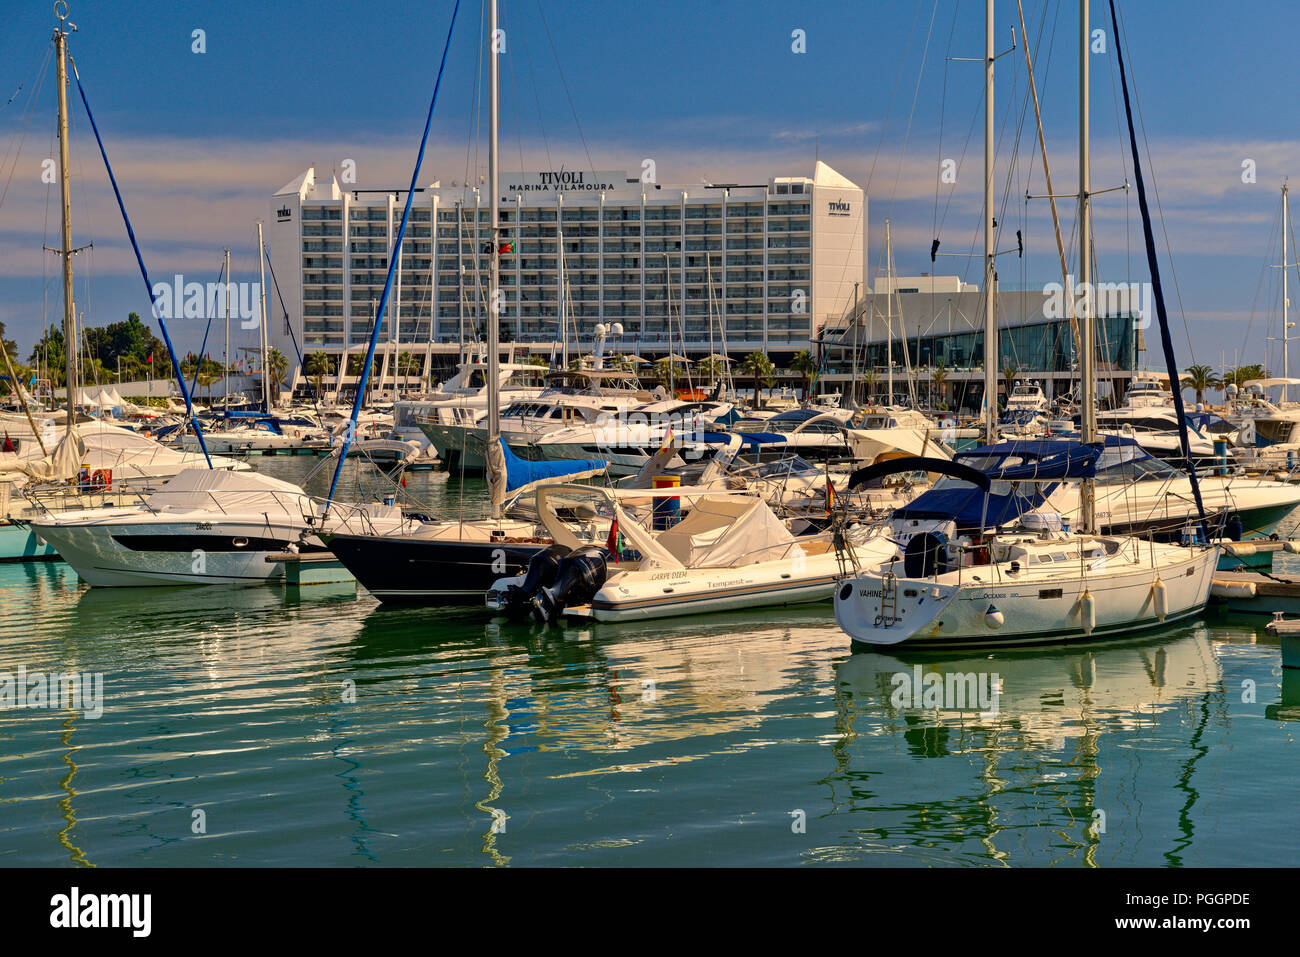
<point>925,555</point>
<point>579,576</point>
<point>542,568</point>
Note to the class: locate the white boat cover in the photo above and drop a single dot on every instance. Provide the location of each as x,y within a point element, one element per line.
<point>720,532</point>
<point>63,462</point>
<point>223,492</point>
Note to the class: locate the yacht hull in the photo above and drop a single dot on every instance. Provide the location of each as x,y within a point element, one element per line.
<point>118,554</point>
<point>933,612</point>
<point>398,570</point>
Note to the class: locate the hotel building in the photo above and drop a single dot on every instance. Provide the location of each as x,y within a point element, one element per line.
<point>694,270</point>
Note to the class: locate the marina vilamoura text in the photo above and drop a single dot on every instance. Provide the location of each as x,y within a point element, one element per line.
<point>563,470</point>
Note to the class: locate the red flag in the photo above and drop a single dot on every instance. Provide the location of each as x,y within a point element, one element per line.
<point>9,444</point>
<point>830,497</point>
<point>611,543</point>
<point>150,359</point>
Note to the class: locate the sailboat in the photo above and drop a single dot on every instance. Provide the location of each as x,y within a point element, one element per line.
<point>1033,581</point>
<point>456,560</point>
<point>94,463</point>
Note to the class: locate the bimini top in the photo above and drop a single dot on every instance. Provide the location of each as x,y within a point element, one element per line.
<point>1035,459</point>
<point>1017,477</point>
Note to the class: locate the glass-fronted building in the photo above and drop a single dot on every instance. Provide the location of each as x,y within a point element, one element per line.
<point>935,341</point>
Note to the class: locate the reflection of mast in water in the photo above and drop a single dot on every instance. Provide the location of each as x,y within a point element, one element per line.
<point>65,804</point>
<point>355,809</point>
<point>498,730</point>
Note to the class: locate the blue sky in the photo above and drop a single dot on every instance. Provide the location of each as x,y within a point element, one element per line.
<point>709,89</point>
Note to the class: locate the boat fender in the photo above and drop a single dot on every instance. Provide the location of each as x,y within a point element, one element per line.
<point>1292,546</point>
<point>579,576</point>
<point>541,572</point>
<point>1160,598</point>
<point>1240,549</point>
<point>1088,612</point>
<point>1226,589</point>
<point>994,618</point>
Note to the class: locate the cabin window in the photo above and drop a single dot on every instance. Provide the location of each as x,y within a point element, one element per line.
<point>1050,592</point>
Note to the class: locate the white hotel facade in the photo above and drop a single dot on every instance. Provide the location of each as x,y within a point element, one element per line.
<point>684,269</point>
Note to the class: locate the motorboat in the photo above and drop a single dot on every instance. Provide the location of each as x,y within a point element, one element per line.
<point>203,527</point>
<point>729,552</point>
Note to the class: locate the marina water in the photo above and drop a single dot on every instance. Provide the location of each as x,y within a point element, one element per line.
<point>245,726</point>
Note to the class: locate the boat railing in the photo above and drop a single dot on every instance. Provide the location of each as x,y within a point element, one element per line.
<point>52,497</point>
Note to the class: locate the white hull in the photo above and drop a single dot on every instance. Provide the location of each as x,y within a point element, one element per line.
<point>955,608</point>
<point>97,553</point>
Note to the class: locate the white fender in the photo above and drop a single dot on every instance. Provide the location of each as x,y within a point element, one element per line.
<point>1088,612</point>
<point>1160,598</point>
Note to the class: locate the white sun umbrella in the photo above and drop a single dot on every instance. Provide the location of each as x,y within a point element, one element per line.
<point>673,357</point>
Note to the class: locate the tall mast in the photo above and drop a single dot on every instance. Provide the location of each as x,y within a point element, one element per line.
<point>1286,303</point>
<point>65,188</point>
<point>1088,360</point>
<point>261,265</point>
<point>889,312</point>
<point>494,316</point>
<point>225,356</point>
<point>991,352</point>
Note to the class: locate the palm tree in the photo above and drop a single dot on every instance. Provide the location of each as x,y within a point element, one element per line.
<point>711,369</point>
<point>939,374</point>
<point>318,366</point>
<point>871,377</point>
<point>1200,378</point>
<point>806,366</point>
<point>1243,374</point>
<point>277,368</point>
<point>1012,375</point>
<point>758,367</point>
<point>666,373</point>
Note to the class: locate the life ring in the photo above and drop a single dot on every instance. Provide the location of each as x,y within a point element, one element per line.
<point>101,478</point>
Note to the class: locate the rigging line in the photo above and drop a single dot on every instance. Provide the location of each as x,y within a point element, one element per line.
<point>144,273</point>
<point>943,105</point>
<point>916,93</point>
<point>889,112</point>
<point>565,84</point>
<point>514,99</point>
<point>29,111</point>
<point>393,257</point>
<point>1164,229</point>
<point>1154,263</point>
<point>475,118</point>
<point>537,98</point>
<point>1263,272</point>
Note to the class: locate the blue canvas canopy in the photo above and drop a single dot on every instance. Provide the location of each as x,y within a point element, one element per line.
<point>523,473</point>
<point>1026,471</point>
<point>1034,459</point>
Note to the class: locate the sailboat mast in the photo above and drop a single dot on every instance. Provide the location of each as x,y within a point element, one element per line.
<point>1087,336</point>
<point>494,309</point>
<point>65,188</point>
<point>1286,302</point>
<point>225,356</point>
<point>889,311</point>
<point>261,263</point>
<point>991,351</point>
